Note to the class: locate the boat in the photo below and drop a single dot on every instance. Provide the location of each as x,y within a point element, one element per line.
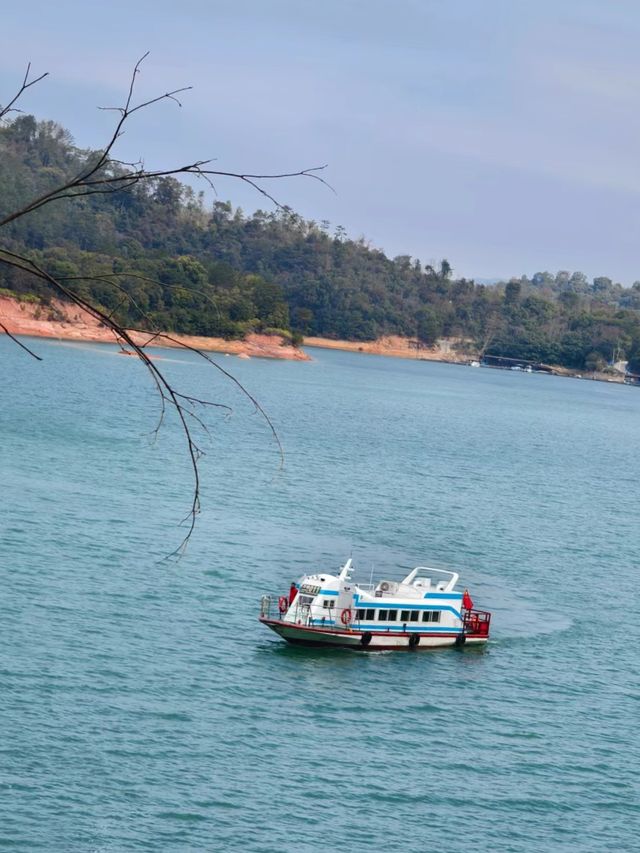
<point>424,610</point>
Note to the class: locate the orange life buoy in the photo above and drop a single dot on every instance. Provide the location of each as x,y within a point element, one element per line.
<point>346,616</point>
<point>283,604</point>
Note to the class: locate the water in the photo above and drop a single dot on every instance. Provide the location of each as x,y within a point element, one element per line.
<point>143,707</point>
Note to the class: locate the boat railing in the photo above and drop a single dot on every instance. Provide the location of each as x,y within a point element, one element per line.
<point>300,613</point>
<point>475,623</point>
<point>270,608</point>
<point>439,578</point>
<point>265,606</point>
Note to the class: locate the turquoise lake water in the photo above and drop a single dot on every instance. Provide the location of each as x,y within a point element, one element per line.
<point>142,705</point>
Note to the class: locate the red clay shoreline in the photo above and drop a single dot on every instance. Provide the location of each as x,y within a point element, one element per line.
<point>69,323</point>
<point>66,322</point>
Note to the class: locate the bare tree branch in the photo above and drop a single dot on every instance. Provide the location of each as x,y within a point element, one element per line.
<point>20,344</point>
<point>105,174</point>
<point>230,376</point>
<point>97,178</point>
<point>82,186</point>
<point>26,84</point>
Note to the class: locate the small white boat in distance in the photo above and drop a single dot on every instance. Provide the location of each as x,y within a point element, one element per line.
<point>422,611</point>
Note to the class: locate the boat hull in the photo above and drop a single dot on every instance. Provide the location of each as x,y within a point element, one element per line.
<point>368,641</point>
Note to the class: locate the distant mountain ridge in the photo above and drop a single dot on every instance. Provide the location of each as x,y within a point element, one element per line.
<point>218,272</point>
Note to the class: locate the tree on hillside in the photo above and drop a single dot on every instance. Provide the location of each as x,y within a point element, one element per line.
<point>445,269</point>
<point>512,292</point>
<point>103,174</point>
<point>428,327</point>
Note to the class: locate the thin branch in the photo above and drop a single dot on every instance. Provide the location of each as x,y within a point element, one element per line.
<point>230,376</point>
<point>26,84</point>
<point>83,186</point>
<point>16,341</point>
<point>156,334</point>
<point>170,95</point>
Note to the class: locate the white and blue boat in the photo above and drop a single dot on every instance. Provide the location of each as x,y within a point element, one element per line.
<point>423,610</point>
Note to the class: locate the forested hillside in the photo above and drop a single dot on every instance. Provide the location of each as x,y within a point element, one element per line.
<point>213,271</point>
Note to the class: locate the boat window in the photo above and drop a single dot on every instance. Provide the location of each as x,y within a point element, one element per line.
<point>304,600</point>
<point>415,615</point>
<point>383,615</point>
<point>359,614</point>
<point>431,616</point>
<point>392,615</point>
<point>404,616</point>
<point>371,614</point>
<point>328,602</point>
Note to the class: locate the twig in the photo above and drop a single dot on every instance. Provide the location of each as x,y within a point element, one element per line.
<point>26,84</point>
<point>20,344</point>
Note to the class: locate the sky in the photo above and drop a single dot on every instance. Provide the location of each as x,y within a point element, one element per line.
<point>503,135</point>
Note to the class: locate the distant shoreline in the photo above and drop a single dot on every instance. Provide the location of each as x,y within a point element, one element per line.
<point>394,346</point>
<point>69,323</point>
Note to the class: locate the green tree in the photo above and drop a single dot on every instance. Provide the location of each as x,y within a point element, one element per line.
<point>595,361</point>
<point>512,292</point>
<point>428,327</point>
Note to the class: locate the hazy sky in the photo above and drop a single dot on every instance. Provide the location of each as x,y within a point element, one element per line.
<point>501,134</point>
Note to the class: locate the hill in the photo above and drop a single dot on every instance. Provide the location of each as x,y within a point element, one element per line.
<point>215,271</point>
